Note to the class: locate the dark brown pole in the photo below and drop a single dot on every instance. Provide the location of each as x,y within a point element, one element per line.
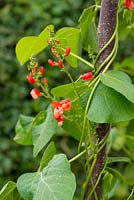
<point>106,27</point>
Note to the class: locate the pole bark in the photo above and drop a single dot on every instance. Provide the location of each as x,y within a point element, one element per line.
<point>106,27</point>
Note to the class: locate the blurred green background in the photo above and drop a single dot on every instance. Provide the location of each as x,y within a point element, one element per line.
<point>20,18</point>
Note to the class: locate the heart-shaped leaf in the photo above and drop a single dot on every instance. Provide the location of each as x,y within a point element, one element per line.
<point>120,82</point>
<point>6,192</point>
<point>43,132</point>
<point>109,106</point>
<point>88,29</point>
<point>67,90</point>
<point>70,37</point>
<point>23,130</point>
<point>55,182</point>
<point>32,45</point>
<point>49,152</point>
<point>24,126</point>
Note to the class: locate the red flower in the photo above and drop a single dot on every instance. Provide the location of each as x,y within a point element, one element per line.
<point>56,104</point>
<point>60,63</point>
<point>45,82</point>
<point>67,52</point>
<point>35,93</point>
<point>42,70</point>
<point>58,115</point>
<point>129,4</point>
<point>30,79</point>
<point>60,120</point>
<point>65,104</point>
<point>52,63</point>
<point>87,76</point>
<point>59,108</point>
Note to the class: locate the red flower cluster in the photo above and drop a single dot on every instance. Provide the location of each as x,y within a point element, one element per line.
<point>129,4</point>
<point>87,76</point>
<point>59,108</point>
<point>34,77</point>
<point>60,62</point>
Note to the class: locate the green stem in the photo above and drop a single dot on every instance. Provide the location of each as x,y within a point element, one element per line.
<point>111,61</point>
<point>102,143</point>
<point>80,154</point>
<point>82,60</point>
<point>86,110</point>
<point>89,85</point>
<point>72,81</point>
<point>107,44</point>
<point>97,6</point>
<point>108,58</point>
<point>95,193</point>
<point>89,174</point>
<point>45,90</point>
<point>131,194</point>
<point>79,58</point>
<point>92,167</point>
<point>99,177</point>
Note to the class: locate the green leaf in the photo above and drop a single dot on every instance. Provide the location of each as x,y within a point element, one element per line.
<point>23,130</point>
<point>55,182</point>
<point>24,185</point>
<point>127,65</point>
<point>93,41</point>
<point>130,136</point>
<point>116,174</point>
<point>50,151</point>
<point>120,82</point>
<point>130,142</point>
<point>117,159</point>
<point>67,90</point>
<point>110,185</point>
<point>43,132</point>
<point>24,127</point>
<point>74,120</point>
<point>6,192</point>
<point>39,118</point>
<point>108,105</point>
<point>128,173</point>
<point>32,45</point>
<point>69,37</point>
<point>88,29</point>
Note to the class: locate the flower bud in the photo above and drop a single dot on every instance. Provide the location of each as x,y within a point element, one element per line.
<point>67,52</point>
<point>34,70</point>
<point>60,63</point>
<point>42,70</point>
<point>52,63</point>
<point>35,93</point>
<point>30,79</point>
<point>87,76</point>
<point>45,82</point>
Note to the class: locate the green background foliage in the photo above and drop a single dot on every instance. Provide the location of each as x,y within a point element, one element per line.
<point>24,18</point>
